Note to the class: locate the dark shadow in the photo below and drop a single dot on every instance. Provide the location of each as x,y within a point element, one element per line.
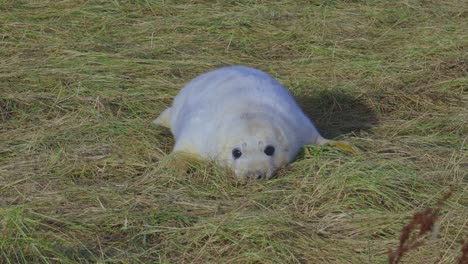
<point>336,113</point>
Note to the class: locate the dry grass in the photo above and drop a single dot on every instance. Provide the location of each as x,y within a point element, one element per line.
<point>82,174</point>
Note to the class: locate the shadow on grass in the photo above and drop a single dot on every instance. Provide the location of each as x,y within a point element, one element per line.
<point>336,113</point>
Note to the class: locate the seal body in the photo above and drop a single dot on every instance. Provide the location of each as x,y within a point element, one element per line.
<point>240,117</point>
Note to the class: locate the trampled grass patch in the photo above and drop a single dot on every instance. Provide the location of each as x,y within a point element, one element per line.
<point>83,175</point>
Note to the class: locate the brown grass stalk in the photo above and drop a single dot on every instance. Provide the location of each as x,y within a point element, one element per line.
<point>413,233</point>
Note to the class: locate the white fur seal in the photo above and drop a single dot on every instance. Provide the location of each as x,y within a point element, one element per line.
<point>243,119</point>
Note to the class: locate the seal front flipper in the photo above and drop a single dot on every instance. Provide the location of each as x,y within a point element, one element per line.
<point>182,161</point>
<point>163,118</point>
<point>341,145</point>
<point>344,146</point>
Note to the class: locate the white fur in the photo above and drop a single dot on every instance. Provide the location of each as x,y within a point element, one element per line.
<point>239,107</point>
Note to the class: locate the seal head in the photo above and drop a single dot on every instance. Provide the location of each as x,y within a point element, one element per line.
<point>252,145</point>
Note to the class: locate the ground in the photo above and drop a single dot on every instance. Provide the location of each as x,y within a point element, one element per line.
<point>83,171</point>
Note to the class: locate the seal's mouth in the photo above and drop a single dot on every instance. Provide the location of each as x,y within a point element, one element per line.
<point>257,174</point>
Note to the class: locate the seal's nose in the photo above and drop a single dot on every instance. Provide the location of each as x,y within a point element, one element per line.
<point>256,175</point>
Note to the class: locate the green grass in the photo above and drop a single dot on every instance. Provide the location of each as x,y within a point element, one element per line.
<point>82,169</point>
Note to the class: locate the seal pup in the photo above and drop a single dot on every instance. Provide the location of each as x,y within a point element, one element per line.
<point>242,118</point>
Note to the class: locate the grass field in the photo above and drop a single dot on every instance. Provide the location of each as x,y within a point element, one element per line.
<point>83,175</point>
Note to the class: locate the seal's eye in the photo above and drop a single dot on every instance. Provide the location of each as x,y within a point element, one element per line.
<point>269,150</point>
<point>236,153</point>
